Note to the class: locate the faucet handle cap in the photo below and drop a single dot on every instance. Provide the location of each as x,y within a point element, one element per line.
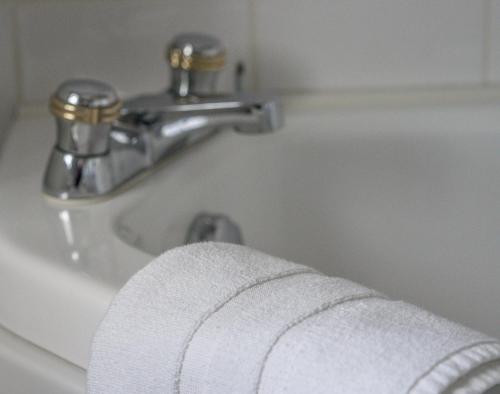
<point>86,101</point>
<point>196,52</point>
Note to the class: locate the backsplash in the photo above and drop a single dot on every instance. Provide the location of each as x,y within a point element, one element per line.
<point>291,46</point>
<point>343,44</point>
<point>121,42</point>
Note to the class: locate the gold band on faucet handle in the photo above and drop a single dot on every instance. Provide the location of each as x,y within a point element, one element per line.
<point>195,62</point>
<point>88,115</point>
<point>86,101</point>
<point>196,52</point>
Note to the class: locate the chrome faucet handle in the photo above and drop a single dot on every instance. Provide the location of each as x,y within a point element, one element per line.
<point>195,61</point>
<point>80,163</point>
<point>84,110</point>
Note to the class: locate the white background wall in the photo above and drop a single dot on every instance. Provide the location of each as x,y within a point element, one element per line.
<point>289,45</point>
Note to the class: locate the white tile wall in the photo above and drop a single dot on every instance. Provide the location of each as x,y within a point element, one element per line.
<point>357,43</point>
<point>8,90</point>
<point>494,58</point>
<point>296,45</point>
<point>121,42</point>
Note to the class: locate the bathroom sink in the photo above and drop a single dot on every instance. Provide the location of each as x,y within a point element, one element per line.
<point>405,200</point>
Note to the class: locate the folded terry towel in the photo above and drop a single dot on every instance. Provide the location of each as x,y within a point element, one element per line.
<point>221,318</point>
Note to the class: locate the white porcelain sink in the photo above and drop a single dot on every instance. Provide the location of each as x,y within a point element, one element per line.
<point>405,200</point>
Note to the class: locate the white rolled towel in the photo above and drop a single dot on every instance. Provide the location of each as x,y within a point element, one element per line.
<point>221,318</point>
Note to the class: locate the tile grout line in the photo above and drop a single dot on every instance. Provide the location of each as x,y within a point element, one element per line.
<point>252,15</point>
<point>486,43</point>
<point>16,45</point>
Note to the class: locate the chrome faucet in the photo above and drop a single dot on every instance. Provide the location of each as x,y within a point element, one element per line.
<point>103,142</point>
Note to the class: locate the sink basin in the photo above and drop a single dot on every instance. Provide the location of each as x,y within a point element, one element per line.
<point>404,200</point>
<point>407,202</point>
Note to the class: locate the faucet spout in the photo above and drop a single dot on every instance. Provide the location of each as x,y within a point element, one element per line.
<point>171,123</point>
<point>243,112</point>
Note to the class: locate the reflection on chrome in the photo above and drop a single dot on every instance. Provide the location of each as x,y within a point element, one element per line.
<point>75,235</point>
<point>66,225</point>
<point>84,242</point>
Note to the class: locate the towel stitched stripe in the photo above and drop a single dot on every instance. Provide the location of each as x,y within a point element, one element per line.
<point>217,307</point>
<point>374,345</point>
<point>303,318</point>
<point>249,324</point>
